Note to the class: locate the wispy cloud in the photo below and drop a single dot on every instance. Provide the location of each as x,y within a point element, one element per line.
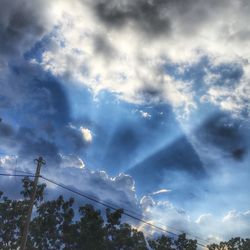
<point>161,191</point>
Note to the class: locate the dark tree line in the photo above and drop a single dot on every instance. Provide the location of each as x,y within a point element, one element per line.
<point>56,225</point>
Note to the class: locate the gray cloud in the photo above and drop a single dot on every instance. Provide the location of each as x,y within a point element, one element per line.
<point>72,139</point>
<point>156,18</point>
<point>225,133</point>
<point>22,23</point>
<point>103,46</point>
<point>148,16</point>
<point>162,166</point>
<point>5,130</point>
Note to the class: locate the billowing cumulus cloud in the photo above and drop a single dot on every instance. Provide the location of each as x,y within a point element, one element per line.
<point>123,47</point>
<point>206,228</point>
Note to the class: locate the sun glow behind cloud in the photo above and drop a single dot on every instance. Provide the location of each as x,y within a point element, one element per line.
<point>86,134</point>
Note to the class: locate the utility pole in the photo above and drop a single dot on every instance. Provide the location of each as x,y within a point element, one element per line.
<point>40,162</point>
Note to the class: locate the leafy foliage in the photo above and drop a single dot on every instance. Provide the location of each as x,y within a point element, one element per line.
<point>57,225</point>
<point>233,244</point>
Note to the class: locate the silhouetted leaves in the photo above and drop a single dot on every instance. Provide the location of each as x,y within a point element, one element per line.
<point>56,225</point>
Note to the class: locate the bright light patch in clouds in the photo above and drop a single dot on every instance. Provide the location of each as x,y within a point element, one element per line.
<point>161,191</point>
<point>145,115</point>
<point>86,134</point>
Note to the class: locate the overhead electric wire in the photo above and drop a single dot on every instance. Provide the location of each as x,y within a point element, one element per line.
<point>96,200</point>
<point>99,202</point>
<point>113,208</point>
<point>107,203</point>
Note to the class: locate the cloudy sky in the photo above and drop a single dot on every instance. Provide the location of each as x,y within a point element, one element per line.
<point>145,104</point>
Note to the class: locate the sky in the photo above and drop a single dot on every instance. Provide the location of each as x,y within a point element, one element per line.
<point>144,104</point>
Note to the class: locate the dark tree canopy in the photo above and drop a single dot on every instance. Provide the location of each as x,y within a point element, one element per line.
<point>56,224</point>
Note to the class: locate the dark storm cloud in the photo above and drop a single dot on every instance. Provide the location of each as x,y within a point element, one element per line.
<point>6,130</point>
<point>225,133</point>
<point>72,139</point>
<point>51,89</point>
<point>27,143</point>
<point>150,93</point>
<point>133,135</point>
<point>40,104</point>
<point>21,24</point>
<point>154,17</point>
<point>123,147</point>
<point>176,157</point>
<point>7,136</point>
<point>147,16</point>
<point>38,96</point>
<point>32,145</point>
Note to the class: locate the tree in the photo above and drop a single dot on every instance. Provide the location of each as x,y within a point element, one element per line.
<point>57,224</point>
<point>161,243</point>
<point>182,243</point>
<point>164,242</point>
<point>53,225</point>
<point>90,230</point>
<point>233,244</point>
<point>122,236</point>
<point>13,215</point>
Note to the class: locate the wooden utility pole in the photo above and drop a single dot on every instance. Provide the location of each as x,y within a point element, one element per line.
<point>40,162</point>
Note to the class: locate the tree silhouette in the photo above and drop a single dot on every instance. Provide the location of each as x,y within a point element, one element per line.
<point>57,224</point>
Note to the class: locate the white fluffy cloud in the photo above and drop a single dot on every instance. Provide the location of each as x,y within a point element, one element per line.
<point>232,224</point>
<point>127,55</point>
<point>207,228</point>
<point>118,190</point>
<point>123,46</point>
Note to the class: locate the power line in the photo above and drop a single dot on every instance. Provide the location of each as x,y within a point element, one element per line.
<point>96,200</point>
<point>113,208</point>
<point>113,205</point>
<point>109,205</point>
